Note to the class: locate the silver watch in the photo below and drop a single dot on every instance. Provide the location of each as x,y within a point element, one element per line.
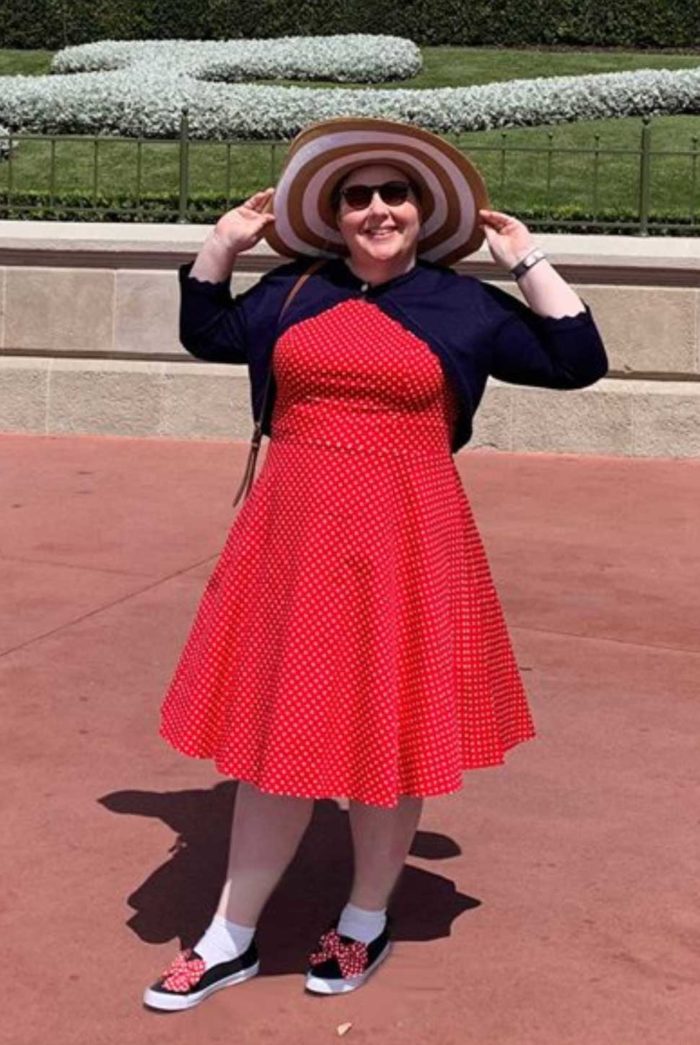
<point>526,263</point>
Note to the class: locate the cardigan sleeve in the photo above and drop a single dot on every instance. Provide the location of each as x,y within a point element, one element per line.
<point>220,328</point>
<point>529,349</point>
<point>213,324</point>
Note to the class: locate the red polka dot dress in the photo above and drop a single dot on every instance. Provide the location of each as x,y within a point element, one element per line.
<point>350,642</point>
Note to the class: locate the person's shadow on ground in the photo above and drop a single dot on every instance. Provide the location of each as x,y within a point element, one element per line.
<point>180,897</point>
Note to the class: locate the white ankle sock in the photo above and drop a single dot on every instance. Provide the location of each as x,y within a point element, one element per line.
<point>223,941</point>
<point>360,924</point>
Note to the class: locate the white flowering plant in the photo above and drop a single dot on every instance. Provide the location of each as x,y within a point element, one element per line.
<point>353,58</point>
<point>140,89</point>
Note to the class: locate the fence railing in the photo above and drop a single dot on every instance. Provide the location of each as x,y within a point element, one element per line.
<point>644,189</point>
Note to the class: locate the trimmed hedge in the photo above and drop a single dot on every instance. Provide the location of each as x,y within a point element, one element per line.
<point>205,209</point>
<point>51,24</point>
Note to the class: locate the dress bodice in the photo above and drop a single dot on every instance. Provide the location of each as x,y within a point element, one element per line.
<point>353,377</point>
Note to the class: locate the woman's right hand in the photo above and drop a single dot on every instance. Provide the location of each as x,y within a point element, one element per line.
<point>241,228</point>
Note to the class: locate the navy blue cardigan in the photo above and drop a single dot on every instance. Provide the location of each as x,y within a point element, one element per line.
<point>475,329</point>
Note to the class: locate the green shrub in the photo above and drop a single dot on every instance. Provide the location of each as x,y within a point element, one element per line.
<point>206,208</point>
<point>52,24</point>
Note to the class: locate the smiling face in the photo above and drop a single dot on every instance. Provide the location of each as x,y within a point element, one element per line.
<point>379,233</point>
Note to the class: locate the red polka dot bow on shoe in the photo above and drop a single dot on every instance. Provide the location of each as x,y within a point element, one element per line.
<point>351,957</point>
<point>183,972</point>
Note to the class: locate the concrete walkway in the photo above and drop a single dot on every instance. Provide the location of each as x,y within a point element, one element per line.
<point>551,901</point>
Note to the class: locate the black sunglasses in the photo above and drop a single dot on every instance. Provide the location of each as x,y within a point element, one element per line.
<point>393,193</point>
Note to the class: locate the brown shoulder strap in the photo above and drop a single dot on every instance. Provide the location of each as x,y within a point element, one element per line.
<point>249,474</point>
<point>314,267</point>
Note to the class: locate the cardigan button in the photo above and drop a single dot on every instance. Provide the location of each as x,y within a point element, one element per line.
<point>364,288</point>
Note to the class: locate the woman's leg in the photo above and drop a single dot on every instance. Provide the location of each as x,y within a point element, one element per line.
<point>381,840</point>
<point>266,833</point>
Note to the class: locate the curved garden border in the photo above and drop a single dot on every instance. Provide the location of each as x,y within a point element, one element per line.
<point>155,80</point>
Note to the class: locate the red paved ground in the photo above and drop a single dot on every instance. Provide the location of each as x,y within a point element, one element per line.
<point>551,901</point>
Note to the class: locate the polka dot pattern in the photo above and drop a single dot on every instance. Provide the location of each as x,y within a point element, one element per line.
<point>350,641</point>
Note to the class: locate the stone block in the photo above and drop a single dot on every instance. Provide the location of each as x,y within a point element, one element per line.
<point>206,401</point>
<point>23,394</point>
<point>647,329</point>
<point>200,400</point>
<point>104,396</point>
<point>146,312</point>
<point>3,291</point>
<point>242,280</point>
<point>666,419</point>
<point>59,309</point>
<point>492,424</point>
<point>589,420</point>
<point>147,307</point>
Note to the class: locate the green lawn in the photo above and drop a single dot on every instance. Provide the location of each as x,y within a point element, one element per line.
<point>517,181</point>
<point>26,63</point>
<point>461,66</point>
<point>458,66</point>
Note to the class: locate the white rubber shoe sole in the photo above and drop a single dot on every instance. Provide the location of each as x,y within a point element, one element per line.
<point>167,1002</point>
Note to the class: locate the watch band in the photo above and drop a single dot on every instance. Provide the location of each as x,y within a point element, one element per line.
<point>526,263</point>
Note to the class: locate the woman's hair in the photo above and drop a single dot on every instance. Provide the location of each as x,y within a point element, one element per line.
<point>337,189</point>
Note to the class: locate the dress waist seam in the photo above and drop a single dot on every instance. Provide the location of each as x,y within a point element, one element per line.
<point>363,448</point>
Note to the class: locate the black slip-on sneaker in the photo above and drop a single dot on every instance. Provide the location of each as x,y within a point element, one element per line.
<point>187,981</point>
<point>341,964</point>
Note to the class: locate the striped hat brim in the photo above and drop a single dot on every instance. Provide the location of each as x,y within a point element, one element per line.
<point>452,189</point>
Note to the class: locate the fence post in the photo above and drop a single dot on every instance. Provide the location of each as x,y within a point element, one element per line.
<point>10,173</point>
<point>694,165</point>
<point>645,176</point>
<point>184,168</point>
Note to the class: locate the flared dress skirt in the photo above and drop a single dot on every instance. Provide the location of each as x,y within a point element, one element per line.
<point>350,641</point>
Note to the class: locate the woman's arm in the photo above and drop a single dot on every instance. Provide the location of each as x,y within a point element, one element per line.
<point>547,293</point>
<point>552,341</point>
<point>212,323</point>
<point>509,241</point>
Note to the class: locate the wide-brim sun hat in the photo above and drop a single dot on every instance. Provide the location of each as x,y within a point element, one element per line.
<point>452,190</point>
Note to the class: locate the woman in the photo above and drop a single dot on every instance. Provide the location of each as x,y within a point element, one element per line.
<point>350,641</point>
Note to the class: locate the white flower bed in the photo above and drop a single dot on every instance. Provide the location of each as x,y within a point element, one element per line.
<point>151,82</point>
<point>352,58</point>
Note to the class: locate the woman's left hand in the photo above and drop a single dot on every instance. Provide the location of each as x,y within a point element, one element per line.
<point>509,240</point>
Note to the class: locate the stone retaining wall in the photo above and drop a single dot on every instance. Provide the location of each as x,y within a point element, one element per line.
<point>88,342</point>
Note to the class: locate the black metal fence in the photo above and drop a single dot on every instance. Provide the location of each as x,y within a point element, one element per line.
<point>646,190</point>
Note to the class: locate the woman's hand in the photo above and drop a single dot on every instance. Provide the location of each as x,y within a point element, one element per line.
<point>545,291</point>
<point>241,228</point>
<point>509,240</point>
<point>237,230</point>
